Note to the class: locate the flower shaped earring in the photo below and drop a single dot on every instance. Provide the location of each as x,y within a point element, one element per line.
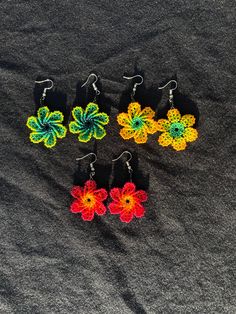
<point>137,123</point>
<point>46,126</point>
<point>89,123</point>
<point>88,199</point>
<point>177,130</point>
<point>126,201</point>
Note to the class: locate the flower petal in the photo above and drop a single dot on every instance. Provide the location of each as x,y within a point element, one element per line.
<point>100,209</point>
<point>59,129</point>
<point>101,194</point>
<point>33,124</point>
<point>115,208</point>
<point>139,211</point>
<point>37,137</point>
<point>76,207</point>
<point>90,185</point>
<point>188,120</point>
<point>43,114</point>
<point>101,118</point>
<point>190,134</point>
<point>78,114</point>
<point>50,140</point>
<point>123,119</point>
<point>163,125</point>
<point>75,127</point>
<point>148,113</point>
<point>56,116</point>
<point>134,110</point>
<point>141,196</point>
<point>129,188</point>
<point>173,115</point>
<point>85,135</point>
<point>87,215</point>
<point>115,194</point>
<point>165,139</point>
<point>77,191</point>
<point>140,136</point>
<point>91,110</point>
<point>151,126</point>
<point>99,132</point>
<point>126,217</point>
<point>179,143</point>
<point>127,133</point>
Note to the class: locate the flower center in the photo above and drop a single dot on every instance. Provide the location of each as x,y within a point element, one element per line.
<point>88,124</point>
<point>128,203</point>
<point>137,123</point>
<point>47,127</point>
<point>89,201</point>
<point>176,129</point>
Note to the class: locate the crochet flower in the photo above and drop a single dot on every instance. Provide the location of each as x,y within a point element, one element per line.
<point>88,200</point>
<point>88,123</point>
<point>46,127</point>
<point>176,130</point>
<point>137,123</point>
<point>127,202</point>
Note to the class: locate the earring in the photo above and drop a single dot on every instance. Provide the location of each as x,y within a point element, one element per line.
<point>46,126</point>
<point>137,123</point>
<point>127,201</point>
<point>89,122</point>
<point>177,130</point>
<point>88,199</point>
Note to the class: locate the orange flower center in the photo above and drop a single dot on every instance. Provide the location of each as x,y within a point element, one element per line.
<point>89,200</point>
<point>127,203</point>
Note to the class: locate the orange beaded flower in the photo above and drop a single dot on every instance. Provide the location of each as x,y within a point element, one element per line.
<point>137,123</point>
<point>177,130</point>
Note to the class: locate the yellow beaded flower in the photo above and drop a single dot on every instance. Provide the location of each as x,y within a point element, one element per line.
<point>176,130</point>
<point>137,123</point>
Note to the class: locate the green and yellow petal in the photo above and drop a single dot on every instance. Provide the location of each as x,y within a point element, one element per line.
<point>140,136</point>
<point>179,143</point>
<point>50,140</point>
<point>85,135</point>
<point>134,110</point>
<point>101,118</point>
<point>33,124</point>
<point>78,114</point>
<point>43,114</point>
<point>148,113</point>
<point>37,137</point>
<point>56,116</point>
<point>151,126</point>
<point>190,134</point>
<point>188,120</point>
<point>91,110</point>
<point>163,125</point>
<point>99,132</point>
<point>127,132</point>
<point>165,139</point>
<point>75,127</point>
<point>123,119</point>
<point>173,115</point>
<point>59,129</point>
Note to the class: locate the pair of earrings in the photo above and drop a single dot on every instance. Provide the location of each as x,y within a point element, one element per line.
<point>48,126</point>
<point>137,123</point>
<point>126,201</point>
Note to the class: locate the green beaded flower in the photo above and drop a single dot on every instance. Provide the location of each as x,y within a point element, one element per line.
<point>46,127</point>
<point>88,123</point>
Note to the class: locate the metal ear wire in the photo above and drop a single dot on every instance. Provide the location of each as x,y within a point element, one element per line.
<point>45,89</point>
<point>130,170</point>
<point>92,173</point>
<point>170,91</point>
<point>97,91</point>
<point>135,85</point>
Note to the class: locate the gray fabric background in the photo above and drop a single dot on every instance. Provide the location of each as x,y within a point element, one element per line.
<point>180,258</point>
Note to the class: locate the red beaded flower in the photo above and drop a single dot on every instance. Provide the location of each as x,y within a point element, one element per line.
<point>127,202</point>
<point>88,200</point>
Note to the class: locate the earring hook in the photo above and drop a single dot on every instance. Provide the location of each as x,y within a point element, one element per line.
<point>45,88</point>
<point>93,84</point>
<point>130,170</point>
<point>170,91</point>
<point>92,173</point>
<point>136,84</point>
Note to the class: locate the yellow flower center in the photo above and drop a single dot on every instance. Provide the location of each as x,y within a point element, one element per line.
<point>127,203</point>
<point>89,200</point>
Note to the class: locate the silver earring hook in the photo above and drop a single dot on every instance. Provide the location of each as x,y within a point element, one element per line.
<point>97,91</point>
<point>170,91</point>
<point>136,84</point>
<point>130,170</point>
<point>92,173</point>
<point>45,88</point>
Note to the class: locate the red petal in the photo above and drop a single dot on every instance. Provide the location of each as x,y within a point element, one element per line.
<point>126,217</point>
<point>76,207</point>
<point>76,191</point>
<point>90,185</point>
<point>115,194</point>
<point>139,211</point>
<point>101,194</point>
<point>141,196</point>
<point>101,209</point>
<point>115,208</point>
<point>87,215</point>
<point>128,188</point>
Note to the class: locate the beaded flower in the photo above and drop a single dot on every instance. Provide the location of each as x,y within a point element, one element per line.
<point>46,127</point>
<point>88,123</point>
<point>177,130</point>
<point>88,200</point>
<point>137,123</point>
<point>127,202</point>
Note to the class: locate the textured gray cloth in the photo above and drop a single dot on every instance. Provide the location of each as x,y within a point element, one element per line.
<point>180,257</point>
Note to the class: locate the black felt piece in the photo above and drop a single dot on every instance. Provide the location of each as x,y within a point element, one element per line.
<point>180,258</point>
